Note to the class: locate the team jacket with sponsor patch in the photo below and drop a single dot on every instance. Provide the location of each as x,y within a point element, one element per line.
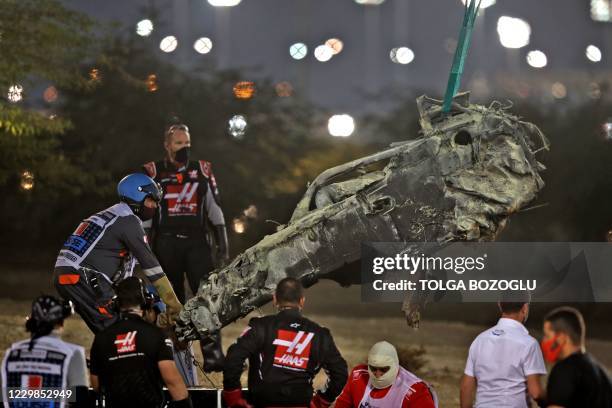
<point>125,358</point>
<point>285,352</point>
<point>190,192</point>
<point>110,242</point>
<point>51,363</point>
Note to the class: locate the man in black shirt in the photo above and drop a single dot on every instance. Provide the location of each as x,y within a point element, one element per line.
<point>189,209</point>
<point>132,359</point>
<point>576,380</point>
<point>285,352</point>
<point>190,205</point>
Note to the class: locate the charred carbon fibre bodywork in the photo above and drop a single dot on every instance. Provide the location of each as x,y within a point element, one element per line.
<point>460,180</point>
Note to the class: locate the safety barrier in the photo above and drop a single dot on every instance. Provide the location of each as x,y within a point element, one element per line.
<point>200,396</point>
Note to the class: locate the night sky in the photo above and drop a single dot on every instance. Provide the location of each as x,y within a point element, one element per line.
<point>255,36</point>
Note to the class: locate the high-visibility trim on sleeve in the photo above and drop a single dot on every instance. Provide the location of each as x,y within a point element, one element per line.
<point>154,273</point>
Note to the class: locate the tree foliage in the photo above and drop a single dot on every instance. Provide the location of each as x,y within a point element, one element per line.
<point>117,124</point>
<point>42,39</point>
<point>41,42</point>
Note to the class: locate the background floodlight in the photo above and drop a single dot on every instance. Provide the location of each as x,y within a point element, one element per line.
<point>484,4</point>
<point>15,93</point>
<point>203,45</point>
<point>144,27</point>
<point>370,2</point>
<point>335,44</point>
<point>593,53</point>
<point>404,55</point>
<point>323,53</point>
<point>168,44</point>
<point>298,51</point>
<point>513,32</point>
<point>341,125</point>
<point>237,126</point>
<point>537,59</point>
<point>224,3</point>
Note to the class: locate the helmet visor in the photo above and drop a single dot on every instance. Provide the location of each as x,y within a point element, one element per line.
<point>153,191</point>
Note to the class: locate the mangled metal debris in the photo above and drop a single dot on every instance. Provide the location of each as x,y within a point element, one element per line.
<point>460,180</point>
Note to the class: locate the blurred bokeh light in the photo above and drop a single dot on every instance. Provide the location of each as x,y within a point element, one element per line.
<point>537,59</point>
<point>284,89</point>
<point>15,93</point>
<point>144,28</point>
<point>152,83</point>
<point>341,125</point>
<point>323,53</point>
<point>484,3</point>
<point>298,51</point>
<point>237,126</point>
<point>513,32</point>
<point>593,53</point>
<point>239,225</point>
<point>50,94</point>
<point>244,90</point>
<point>335,44</point>
<point>27,180</point>
<point>558,90</point>
<point>168,44</point>
<point>203,45</point>
<point>224,3</point>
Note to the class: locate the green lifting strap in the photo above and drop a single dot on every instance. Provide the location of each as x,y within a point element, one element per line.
<point>463,45</point>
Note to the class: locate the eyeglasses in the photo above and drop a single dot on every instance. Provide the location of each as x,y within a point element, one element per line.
<point>381,369</point>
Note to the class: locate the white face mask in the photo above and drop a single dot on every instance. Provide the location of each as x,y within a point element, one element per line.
<point>383,354</point>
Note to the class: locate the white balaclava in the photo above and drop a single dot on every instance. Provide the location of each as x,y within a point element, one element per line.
<point>383,354</point>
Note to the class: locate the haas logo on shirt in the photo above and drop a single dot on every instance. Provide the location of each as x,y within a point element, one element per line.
<point>182,199</point>
<point>292,349</point>
<point>126,342</point>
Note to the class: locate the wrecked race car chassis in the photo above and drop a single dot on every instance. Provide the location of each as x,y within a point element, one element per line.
<point>459,180</point>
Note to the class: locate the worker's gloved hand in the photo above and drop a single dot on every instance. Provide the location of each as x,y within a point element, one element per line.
<point>319,402</point>
<point>222,245</point>
<point>167,295</point>
<point>164,321</point>
<point>171,334</point>
<point>234,399</point>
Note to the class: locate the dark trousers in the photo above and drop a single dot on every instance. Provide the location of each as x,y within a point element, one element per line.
<point>91,294</point>
<point>279,395</point>
<point>180,255</point>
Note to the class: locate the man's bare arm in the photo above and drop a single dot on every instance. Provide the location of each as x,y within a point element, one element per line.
<point>95,384</point>
<point>468,391</point>
<point>173,380</point>
<point>534,387</point>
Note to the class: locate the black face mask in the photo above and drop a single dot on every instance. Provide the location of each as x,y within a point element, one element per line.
<point>146,213</point>
<point>182,155</point>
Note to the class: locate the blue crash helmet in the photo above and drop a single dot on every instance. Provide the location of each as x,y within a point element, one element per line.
<point>133,189</point>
